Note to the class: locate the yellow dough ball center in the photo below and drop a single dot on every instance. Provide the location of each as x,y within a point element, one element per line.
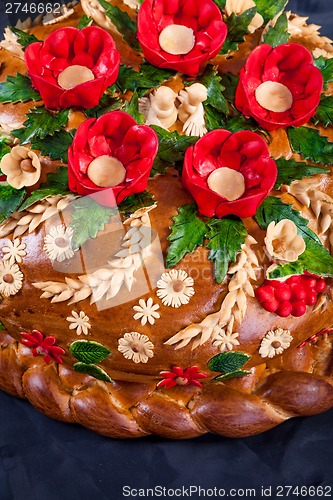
<point>227,183</point>
<point>177,39</point>
<point>274,96</point>
<point>106,171</point>
<point>74,75</point>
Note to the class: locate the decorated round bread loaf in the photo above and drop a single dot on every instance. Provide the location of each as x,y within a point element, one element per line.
<point>166,206</point>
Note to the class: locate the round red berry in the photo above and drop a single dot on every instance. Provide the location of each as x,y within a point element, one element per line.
<point>311,298</point>
<point>309,281</point>
<point>294,279</point>
<point>284,309</point>
<point>320,285</point>
<point>298,308</point>
<point>298,292</point>
<point>265,293</point>
<point>270,305</point>
<point>283,294</point>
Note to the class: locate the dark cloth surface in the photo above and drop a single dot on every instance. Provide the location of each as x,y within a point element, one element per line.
<point>42,459</point>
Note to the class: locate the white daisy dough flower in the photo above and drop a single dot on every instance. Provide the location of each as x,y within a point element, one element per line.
<point>146,311</point>
<point>14,251</point>
<point>11,279</point>
<point>136,347</point>
<point>275,342</point>
<point>57,244</point>
<point>79,322</point>
<point>225,340</point>
<point>175,288</point>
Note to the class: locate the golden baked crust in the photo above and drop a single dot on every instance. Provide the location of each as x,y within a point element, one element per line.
<point>298,382</point>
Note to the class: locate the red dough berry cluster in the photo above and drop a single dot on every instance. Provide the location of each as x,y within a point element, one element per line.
<point>290,296</point>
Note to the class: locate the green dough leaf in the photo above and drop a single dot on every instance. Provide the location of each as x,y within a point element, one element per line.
<point>55,146</point>
<point>135,202</point>
<point>84,22</point>
<point>88,218</point>
<point>10,200</point>
<point>4,149</point>
<point>273,209</point>
<point>18,89</point>
<point>228,362</point>
<point>315,259</point>
<point>123,23</point>
<point>220,3</point>
<point>215,98</point>
<point>239,122</point>
<point>324,113</point>
<point>23,38</point>
<point>279,33</point>
<point>132,108</point>
<point>213,118</point>
<point>55,184</point>
<point>2,327</point>
<point>93,371</point>
<point>237,29</point>
<point>235,374</point>
<point>40,123</point>
<point>225,239</point>
<point>187,233</point>
<point>229,83</point>
<point>106,104</point>
<point>311,145</point>
<point>290,170</point>
<point>268,10</point>
<point>146,78</point>
<point>89,351</point>
<point>171,149</point>
<point>326,68</point>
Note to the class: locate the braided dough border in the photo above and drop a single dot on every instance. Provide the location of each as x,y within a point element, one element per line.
<point>129,410</point>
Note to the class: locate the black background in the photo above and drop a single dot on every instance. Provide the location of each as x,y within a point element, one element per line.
<point>43,459</point>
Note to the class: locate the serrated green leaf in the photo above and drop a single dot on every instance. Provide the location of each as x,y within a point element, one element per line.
<point>84,22</point>
<point>56,184</point>
<point>238,27</point>
<point>326,68</point>
<point>213,118</point>
<point>132,108</point>
<point>278,34</point>
<point>106,104</point>
<point>40,123</point>
<point>18,89</point>
<point>55,146</point>
<point>268,10</point>
<point>10,200</point>
<point>89,351</point>
<point>228,362</point>
<point>88,219</point>
<point>212,81</point>
<point>225,239</point>
<point>147,77</point>
<point>311,145</point>
<point>2,327</point>
<point>236,123</point>
<point>220,3</point>
<point>124,24</point>
<point>4,149</point>
<point>171,149</point>
<point>93,371</point>
<point>235,374</point>
<point>291,170</point>
<point>273,209</point>
<point>324,112</point>
<point>23,38</point>
<point>187,233</point>
<point>135,202</point>
<point>315,259</point>
<point>229,83</point>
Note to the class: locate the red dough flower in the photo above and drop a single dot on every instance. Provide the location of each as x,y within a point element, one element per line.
<point>113,155</point>
<point>178,376</point>
<point>43,346</point>
<point>180,34</point>
<point>279,86</point>
<point>73,67</point>
<point>229,173</point>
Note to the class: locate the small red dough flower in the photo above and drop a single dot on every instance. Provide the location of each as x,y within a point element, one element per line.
<point>279,86</point>
<point>73,67</point>
<point>229,173</point>
<point>43,346</point>
<point>112,155</point>
<point>180,34</point>
<point>178,376</point>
